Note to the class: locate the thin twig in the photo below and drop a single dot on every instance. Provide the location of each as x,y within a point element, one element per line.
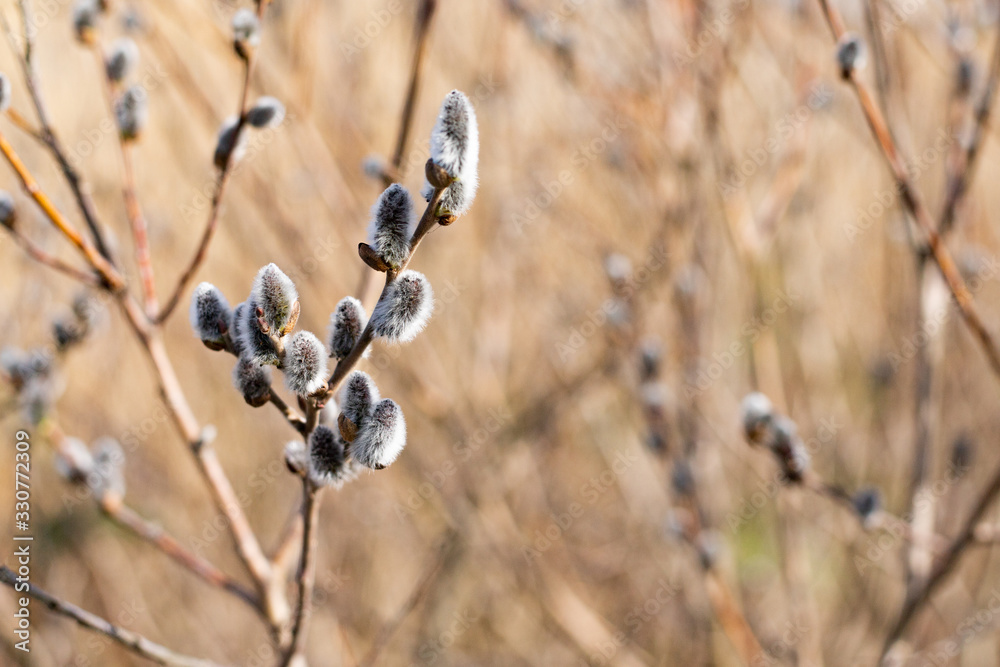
<point>419,592</point>
<point>220,189</point>
<point>110,275</point>
<point>130,640</point>
<point>137,222</point>
<point>47,133</point>
<point>306,576</point>
<point>296,420</point>
<point>914,204</point>
<point>39,255</point>
<point>155,535</point>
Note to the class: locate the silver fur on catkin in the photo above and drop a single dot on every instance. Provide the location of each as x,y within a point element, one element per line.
<point>347,322</point>
<point>305,364</point>
<point>275,294</point>
<point>404,310</point>
<point>756,413</point>
<point>326,455</point>
<point>6,93</point>
<point>382,438</point>
<point>392,224</point>
<point>210,314</point>
<point>455,148</point>
<point>107,477</point>
<point>253,342</point>
<point>122,58</point>
<point>358,397</point>
<point>253,381</point>
<point>237,323</point>
<point>266,112</point>
<point>132,112</point>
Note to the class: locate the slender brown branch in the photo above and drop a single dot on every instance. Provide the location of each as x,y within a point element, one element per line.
<point>24,125</point>
<point>47,133</point>
<point>133,641</point>
<point>419,592</point>
<point>427,221</point>
<point>945,566</point>
<point>306,576</point>
<point>39,255</point>
<point>424,16</point>
<point>110,275</point>
<point>124,516</point>
<point>296,420</point>
<point>221,182</point>
<point>137,222</point>
<point>915,206</point>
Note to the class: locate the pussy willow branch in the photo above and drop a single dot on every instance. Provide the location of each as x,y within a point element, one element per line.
<point>47,133</point>
<point>220,189</point>
<point>130,640</point>
<point>22,124</point>
<point>126,517</point>
<point>108,273</point>
<point>914,204</point>
<point>425,14</point>
<point>45,258</point>
<point>427,221</point>
<point>137,222</point>
<point>306,576</point>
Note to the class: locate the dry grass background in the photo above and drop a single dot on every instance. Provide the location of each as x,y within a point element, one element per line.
<point>516,424</point>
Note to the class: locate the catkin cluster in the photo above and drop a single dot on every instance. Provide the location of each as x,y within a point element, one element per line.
<point>366,430</point>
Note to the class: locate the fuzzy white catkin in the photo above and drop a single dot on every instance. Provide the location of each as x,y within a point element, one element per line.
<point>6,93</point>
<point>296,456</point>
<point>455,148</point>
<point>132,111</point>
<point>305,364</point>
<point>326,454</point>
<point>74,461</point>
<point>347,321</point>
<point>253,342</point>
<point>122,58</point>
<point>266,112</point>
<point>382,438</point>
<point>208,308</point>
<point>392,223</point>
<point>246,27</point>
<point>275,293</point>
<point>405,308</point>
<point>358,397</point>
<point>252,380</point>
